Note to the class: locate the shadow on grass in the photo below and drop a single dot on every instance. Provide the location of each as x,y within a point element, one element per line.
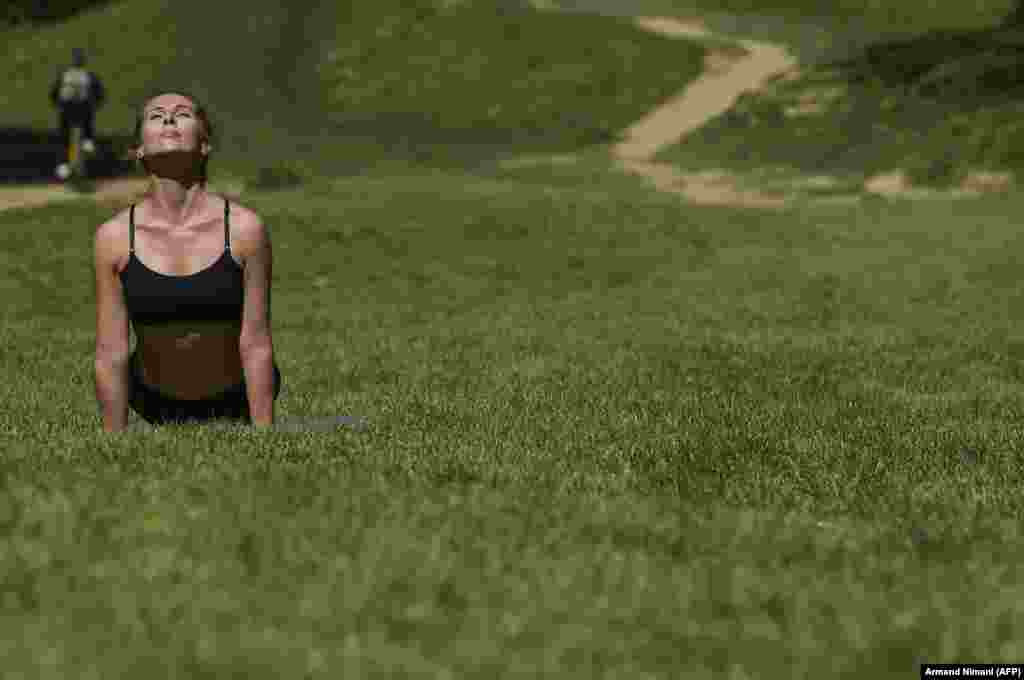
<point>45,13</point>
<point>32,155</point>
<point>357,142</point>
<point>975,66</point>
<point>305,424</point>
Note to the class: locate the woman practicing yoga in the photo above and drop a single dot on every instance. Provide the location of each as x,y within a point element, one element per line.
<point>191,272</point>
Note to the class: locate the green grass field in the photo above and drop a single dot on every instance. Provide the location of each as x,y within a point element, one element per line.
<point>613,436</point>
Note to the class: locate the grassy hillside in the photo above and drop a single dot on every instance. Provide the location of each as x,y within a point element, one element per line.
<point>938,105</point>
<point>334,88</point>
<point>328,88</point>
<point>176,45</point>
<point>929,87</point>
<point>911,16</point>
<point>473,77</point>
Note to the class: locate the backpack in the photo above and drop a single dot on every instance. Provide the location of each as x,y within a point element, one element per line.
<point>75,86</point>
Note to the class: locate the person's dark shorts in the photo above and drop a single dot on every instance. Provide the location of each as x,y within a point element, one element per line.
<point>158,408</point>
<point>77,114</point>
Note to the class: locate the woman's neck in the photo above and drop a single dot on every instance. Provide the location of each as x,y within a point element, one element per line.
<point>176,203</point>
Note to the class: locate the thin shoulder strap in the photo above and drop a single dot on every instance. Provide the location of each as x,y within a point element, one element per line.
<point>227,228</point>
<point>131,229</point>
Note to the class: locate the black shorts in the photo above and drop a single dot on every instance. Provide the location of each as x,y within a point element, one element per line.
<point>158,408</point>
<point>77,114</point>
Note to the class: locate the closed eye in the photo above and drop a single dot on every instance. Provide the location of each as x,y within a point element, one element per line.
<point>154,113</point>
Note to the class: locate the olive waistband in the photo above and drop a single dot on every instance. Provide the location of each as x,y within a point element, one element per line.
<point>179,328</point>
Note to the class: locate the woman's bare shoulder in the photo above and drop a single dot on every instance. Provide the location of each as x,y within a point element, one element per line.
<point>241,214</point>
<point>247,230</point>
<point>111,242</point>
<point>114,228</point>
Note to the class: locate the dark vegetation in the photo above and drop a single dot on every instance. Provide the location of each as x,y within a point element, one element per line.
<point>971,67</point>
<point>21,12</point>
<point>968,87</point>
<point>28,155</point>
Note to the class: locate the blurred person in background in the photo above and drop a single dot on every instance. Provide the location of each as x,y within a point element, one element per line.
<point>77,93</point>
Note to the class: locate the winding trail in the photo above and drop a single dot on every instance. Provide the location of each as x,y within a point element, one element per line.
<point>725,78</point>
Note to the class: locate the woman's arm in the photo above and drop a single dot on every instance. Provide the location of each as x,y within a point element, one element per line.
<point>254,343</point>
<point>112,334</point>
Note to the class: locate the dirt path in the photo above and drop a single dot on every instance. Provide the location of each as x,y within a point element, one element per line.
<point>119,191</point>
<point>727,75</point>
<point>112,190</point>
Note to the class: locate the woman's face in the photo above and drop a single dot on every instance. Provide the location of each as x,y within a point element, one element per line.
<point>169,123</point>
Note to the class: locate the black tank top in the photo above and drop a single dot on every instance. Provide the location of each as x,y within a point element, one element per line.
<point>212,294</point>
